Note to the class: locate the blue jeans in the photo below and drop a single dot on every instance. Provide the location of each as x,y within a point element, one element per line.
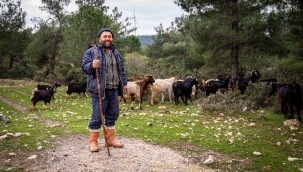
<point>110,108</point>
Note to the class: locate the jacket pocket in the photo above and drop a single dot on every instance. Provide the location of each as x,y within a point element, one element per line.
<point>92,86</point>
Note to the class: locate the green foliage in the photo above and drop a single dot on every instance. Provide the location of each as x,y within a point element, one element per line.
<point>81,31</point>
<point>75,75</point>
<point>171,47</point>
<point>136,65</point>
<point>167,43</point>
<point>83,26</point>
<point>13,36</point>
<point>230,27</point>
<point>56,26</point>
<point>37,54</point>
<point>289,69</point>
<point>133,44</point>
<point>22,71</point>
<point>294,25</point>
<point>41,73</point>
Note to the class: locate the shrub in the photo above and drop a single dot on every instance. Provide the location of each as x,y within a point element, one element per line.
<point>21,71</point>
<point>253,99</point>
<point>75,75</point>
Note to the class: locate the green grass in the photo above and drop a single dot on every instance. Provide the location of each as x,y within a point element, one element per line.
<point>33,131</point>
<point>182,128</point>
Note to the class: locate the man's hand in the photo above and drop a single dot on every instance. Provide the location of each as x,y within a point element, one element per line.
<point>96,64</point>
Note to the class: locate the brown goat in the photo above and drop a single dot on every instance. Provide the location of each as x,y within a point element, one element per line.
<point>135,90</point>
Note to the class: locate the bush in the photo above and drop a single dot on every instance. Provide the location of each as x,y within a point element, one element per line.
<point>40,75</point>
<point>75,75</point>
<point>21,71</point>
<point>253,99</point>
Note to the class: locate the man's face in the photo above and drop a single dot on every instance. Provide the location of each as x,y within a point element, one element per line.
<point>106,39</point>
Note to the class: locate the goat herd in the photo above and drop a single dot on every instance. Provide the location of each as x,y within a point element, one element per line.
<point>46,93</point>
<point>289,95</point>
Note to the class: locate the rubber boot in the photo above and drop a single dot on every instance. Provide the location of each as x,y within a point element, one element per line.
<point>110,138</point>
<point>93,141</point>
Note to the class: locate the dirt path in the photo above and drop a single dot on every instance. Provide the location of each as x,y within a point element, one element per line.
<point>72,154</point>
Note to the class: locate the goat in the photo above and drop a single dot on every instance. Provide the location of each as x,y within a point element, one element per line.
<point>46,87</point>
<point>42,95</point>
<point>163,86</point>
<point>76,87</point>
<point>242,83</point>
<point>183,89</point>
<point>212,86</point>
<point>290,96</point>
<point>135,90</point>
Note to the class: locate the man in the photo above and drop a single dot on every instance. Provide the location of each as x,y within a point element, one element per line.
<point>113,82</point>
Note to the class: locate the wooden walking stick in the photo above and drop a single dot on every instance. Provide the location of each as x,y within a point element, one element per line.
<point>100,101</point>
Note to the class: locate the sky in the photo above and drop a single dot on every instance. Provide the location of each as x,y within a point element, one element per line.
<point>148,13</point>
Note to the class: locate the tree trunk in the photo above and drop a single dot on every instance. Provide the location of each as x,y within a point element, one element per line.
<point>235,47</point>
<point>50,76</point>
<point>11,61</point>
<point>234,61</point>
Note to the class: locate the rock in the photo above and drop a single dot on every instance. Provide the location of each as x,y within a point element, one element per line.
<point>291,122</point>
<point>244,109</point>
<point>209,160</point>
<point>7,161</point>
<point>221,114</point>
<point>32,157</point>
<point>293,159</point>
<point>12,154</point>
<point>3,137</point>
<point>252,124</point>
<point>26,133</point>
<point>257,153</point>
<point>18,134</point>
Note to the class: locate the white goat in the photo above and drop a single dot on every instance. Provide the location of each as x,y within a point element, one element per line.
<point>163,86</point>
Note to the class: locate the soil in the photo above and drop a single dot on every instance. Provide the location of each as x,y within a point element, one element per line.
<point>72,154</point>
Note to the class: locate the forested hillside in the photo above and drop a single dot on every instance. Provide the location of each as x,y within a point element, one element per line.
<point>145,40</point>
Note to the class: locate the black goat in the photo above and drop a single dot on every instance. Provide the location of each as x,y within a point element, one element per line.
<point>242,83</point>
<point>290,96</point>
<point>42,95</point>
<point>76,87</point>
<point>183,89</point>
<point>47,87</point>
<point>212,86</point>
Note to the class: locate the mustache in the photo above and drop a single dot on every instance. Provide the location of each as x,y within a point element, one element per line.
<point>106,45</point>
